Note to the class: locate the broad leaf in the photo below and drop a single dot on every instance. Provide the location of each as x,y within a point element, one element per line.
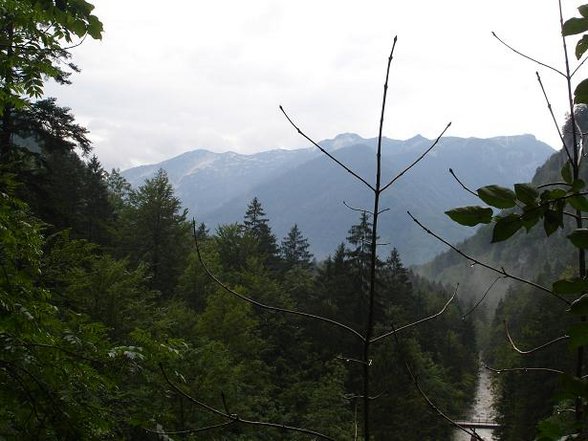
<point>553,219</point>
<point>579,238</point>
<point>579,202</point>
<point>531,216</point>
<point>496,196</point>
<point>581,46</point>
<point>566,172</point>
<point>578,333</point>
<point>583,11</point>
<point>505,227</point>
<point>471,216</point>
<point>553,194</point>
<point>578,185</point>
<point>526,193</point>
<point>570,286</point>
<point>574,25</point>
<point>581,93</point>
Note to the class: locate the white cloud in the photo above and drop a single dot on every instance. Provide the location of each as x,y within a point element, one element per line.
<point>195,74</point>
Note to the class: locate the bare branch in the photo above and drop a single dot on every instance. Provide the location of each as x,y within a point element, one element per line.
<point>234,418</point>
<point>538,348</point>
<point>353,360</point>
<point>527,57</point>
<point>418,322</point>
<point>554,184</point>
<point>501,271</point>
<point>563,142</point>
<point>479,302</point>
<point>436,409</point>
<point>264,306</point>
<point>188,431</point>
<point>416,161</point>
<point>524,369</point>
<point>461,183</point>
<point>578,67</point>
<point>359,210</point>
<point>347,169</point>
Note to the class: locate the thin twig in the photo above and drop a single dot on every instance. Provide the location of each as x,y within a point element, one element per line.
<point>436,409</point>
<point>479,302</point>
<point>578,67</point>
<point>554,184</point>
<point>501,271</point>
<point>524,369</point>
<point>527,57</point>
<point>236,418</point>
<point>418,322</point>
<point>188,431</point>
<point>538,348</point>
<point>262,305</point>
<point>347,169</point>
<point>359,210</point>
<point>461,183</point>
<point>561,137</point>
<point>352,360</point>
<point>416,161</point>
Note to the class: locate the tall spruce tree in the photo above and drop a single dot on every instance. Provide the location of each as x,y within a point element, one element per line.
<point>257,226</point>
<point>294,249</point>
<point>155,231</point>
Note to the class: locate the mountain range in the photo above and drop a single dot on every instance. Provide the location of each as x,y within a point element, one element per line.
<point>305,187</point>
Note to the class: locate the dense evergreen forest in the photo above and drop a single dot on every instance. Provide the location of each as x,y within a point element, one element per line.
<point>102,285</point>
<point>121,318</point>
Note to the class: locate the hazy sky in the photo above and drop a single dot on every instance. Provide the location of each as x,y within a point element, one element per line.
<point>184,74</point>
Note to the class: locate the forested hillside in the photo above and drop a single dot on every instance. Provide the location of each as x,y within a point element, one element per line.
<point>108,289</point>
<point>123,318</point>
<point>302,186</point>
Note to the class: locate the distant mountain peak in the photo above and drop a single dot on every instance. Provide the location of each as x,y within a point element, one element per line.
<point>342,140</point>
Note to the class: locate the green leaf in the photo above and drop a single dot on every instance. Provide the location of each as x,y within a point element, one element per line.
<point>579,238</point>
<point>581,46</point>
<point>526,193</point>
<point>581,92</point>
<point>531,216</point>
<point>570,286</point>
<point>579,203</point>
<point>578,333</point>
<point>505,227</point>
<point>496,196</point>
<point>578,185</point>
<point>566,172</point>
<point>574,25</point>
<point>553,219</point>
<point>553,194</point>
<point>583,11</point>
<point>471,216</point>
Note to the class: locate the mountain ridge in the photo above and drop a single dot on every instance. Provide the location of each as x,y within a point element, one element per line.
<point>303,186</point>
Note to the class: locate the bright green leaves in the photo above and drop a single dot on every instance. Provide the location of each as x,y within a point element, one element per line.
<point>470,216</point>
<point>496,196</point>
<point>35,34</point>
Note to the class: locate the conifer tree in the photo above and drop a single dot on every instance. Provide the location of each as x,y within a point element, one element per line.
<point>294,249</point>
<point>257,226</point>
<point>155,231</point>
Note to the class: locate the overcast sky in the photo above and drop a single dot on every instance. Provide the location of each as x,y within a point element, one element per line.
<point>173,76</point>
